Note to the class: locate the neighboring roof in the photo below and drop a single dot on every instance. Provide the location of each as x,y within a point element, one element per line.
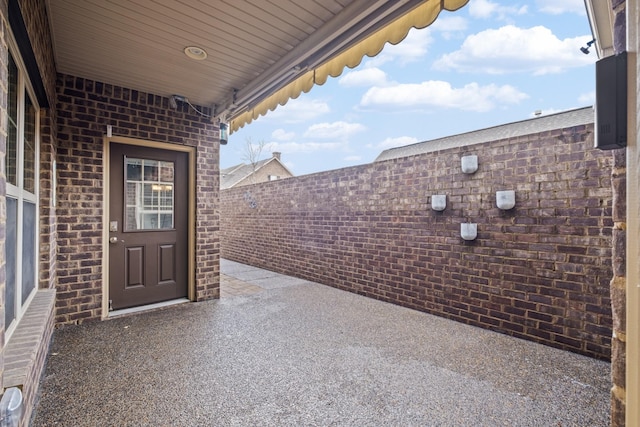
<point>233,175</point>
<point>254,48</point>
<point>565,119</point>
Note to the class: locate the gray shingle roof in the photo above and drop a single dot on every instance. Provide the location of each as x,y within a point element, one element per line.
<point>234,174</point>
<point>565,119</point>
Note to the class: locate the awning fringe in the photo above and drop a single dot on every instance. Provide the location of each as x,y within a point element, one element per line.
<point>420,17</point>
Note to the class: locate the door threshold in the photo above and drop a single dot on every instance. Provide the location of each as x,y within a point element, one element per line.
<point>149,307</point>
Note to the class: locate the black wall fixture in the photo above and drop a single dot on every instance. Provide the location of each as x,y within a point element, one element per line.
<point>611,102</point>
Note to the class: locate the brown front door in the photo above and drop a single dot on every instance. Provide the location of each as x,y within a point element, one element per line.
<point>148,225</point>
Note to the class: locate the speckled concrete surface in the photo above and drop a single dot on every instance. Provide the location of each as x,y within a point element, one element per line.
<point>302,354</point>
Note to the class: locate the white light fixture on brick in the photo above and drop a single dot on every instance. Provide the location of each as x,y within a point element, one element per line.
<point>469,164</point>
<point>468,230</point>
<point>506,200</point>
<point>438,202</point>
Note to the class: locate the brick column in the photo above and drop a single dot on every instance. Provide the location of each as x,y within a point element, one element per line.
<point>207,273</point>
<point>619,258</point>
<point>618,289</point>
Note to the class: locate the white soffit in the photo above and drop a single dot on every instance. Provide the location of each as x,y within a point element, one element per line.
<point>253,48</point>
<point>601,18</point>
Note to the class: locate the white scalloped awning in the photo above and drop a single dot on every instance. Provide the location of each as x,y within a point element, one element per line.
<point>421,16</point>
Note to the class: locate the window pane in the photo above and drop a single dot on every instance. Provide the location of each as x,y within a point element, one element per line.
<point>166,197</point>
<point>11,257</point>
<point>130,197</point>
<point>150,221</point>
<point>28,249</point>
<point>29,145</point>
<point>166,172</point>
<point>149,194</point>
<point>166,221</point>
<point>150,170</point>
<point>131,222</point>
<point>149,198</point>
<point>134,169</point>
<point>11,160</point>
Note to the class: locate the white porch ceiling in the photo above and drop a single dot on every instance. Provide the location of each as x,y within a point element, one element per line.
<point>254,46</point>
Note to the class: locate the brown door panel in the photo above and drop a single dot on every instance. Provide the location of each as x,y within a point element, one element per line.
<point>166,263</point>
<point>134,267</point>
<point>147,265</point>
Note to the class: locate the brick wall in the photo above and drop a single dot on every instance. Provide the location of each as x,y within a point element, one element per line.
<point>540,271</point>
<point>85,108</point>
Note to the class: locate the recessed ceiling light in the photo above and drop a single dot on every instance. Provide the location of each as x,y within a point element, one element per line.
<point>195,52</point>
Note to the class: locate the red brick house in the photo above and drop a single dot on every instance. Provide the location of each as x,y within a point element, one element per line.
<point>115,112</point>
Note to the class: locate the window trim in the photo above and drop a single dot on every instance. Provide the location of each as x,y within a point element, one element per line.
<point>17,192</point>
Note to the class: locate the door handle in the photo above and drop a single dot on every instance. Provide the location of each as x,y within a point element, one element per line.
<point>114,240</point>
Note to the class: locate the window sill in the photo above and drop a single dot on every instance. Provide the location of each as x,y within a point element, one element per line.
<point>25,354</point>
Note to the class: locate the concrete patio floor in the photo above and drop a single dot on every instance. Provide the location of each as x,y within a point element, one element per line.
<point>280,351</point>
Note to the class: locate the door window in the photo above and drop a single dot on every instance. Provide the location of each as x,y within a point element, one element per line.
<point>149,197</point>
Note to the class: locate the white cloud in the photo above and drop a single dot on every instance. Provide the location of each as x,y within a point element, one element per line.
<point>336,130</point>
<point>482,8</point>
<point>306,147</point>
<point>412,48</point>
<point>471,97</point>
<point>511,49</point>
<point>298,110</point>
<point>370,76</point>
<point>450,26</point>
<point>400,141</point>
<point>557,7</point>
<point>489,9</point>
<point>588,98</point>
<point>282,135</point>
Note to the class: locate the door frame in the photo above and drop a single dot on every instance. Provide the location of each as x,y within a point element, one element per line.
<point>191,151</point>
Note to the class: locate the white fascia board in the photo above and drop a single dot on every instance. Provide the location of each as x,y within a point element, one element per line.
<point>600,15</point>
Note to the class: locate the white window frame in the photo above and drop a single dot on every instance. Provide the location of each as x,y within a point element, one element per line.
<point>18,192</point>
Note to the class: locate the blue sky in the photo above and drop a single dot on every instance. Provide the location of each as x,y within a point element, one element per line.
<point>489,63</point>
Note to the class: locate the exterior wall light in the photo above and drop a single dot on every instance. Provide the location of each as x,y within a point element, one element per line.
<point>439,202</point>
<point>506,200</point>
<point>468,230</point>
<point>224,133</point>
<point>469,164</point>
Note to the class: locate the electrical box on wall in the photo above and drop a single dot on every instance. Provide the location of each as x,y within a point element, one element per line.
<point>611,102</point>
